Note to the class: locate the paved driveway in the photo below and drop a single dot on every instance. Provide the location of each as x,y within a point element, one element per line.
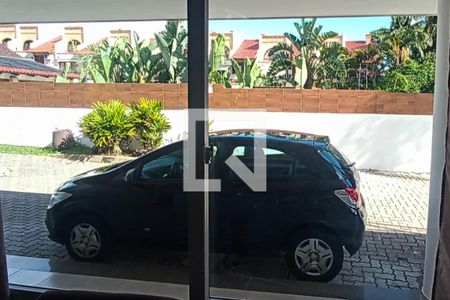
<point>392,254</point>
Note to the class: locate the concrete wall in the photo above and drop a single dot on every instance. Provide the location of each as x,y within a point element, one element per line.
<point>373,141</point>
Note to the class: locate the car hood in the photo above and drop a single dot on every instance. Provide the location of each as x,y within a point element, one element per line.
<point>95,172</point>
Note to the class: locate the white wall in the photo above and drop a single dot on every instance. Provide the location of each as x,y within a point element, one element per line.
<point>381,142</point>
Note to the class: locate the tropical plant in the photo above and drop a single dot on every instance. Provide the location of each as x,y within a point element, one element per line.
<point>149,122</point>
<point>172,56</point>
<point>309,42</point>
<point>217,57</point>
<point>248,75</point>
<point>333,71</point>
<point>406,38</point>
<point>107,126</point>
<point>108,63</point>
<point>412,76</point>
<point>62,77</point>
<point>283,66</point>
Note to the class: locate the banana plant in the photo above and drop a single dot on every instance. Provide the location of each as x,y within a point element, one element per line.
<point>309,41</point>
<point>216,59</point>
<point>62,77</point>
<point>248,75</point>
<point>172,59</point>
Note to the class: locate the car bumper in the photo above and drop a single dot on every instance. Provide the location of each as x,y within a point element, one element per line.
<point>54,234</point>
<point>354,236</point>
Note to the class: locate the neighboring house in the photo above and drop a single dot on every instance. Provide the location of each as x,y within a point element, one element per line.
<point>259,48</point>
<point>57,44</point>
<point>359,45</point>
<point>15,68</point>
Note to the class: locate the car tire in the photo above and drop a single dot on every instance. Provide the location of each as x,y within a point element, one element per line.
<point>314,255</point>
<point>87,238</point>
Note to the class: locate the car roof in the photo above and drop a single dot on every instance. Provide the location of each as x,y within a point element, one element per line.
<point>288,136</point>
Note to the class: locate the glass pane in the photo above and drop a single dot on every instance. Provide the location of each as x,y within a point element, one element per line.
<point>91,162</point>
<point>318,104</point>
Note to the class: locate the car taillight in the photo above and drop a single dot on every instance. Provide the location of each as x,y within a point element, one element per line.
<point>349,196</point>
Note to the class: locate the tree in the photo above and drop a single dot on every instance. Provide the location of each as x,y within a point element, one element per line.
<point>366,68</point>
<point>249,74</point>
<point>119,62</point>
<point>282,68</point>
<point>412,76</point>
<point>309,41</point>
<point>217,57</point>
<point>406,38</point>
<point>333,71</point>
<point>172,56</point>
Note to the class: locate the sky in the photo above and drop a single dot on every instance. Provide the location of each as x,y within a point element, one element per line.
<point>352,28</point>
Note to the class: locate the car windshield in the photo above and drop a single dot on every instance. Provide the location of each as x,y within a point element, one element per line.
<point>107,168</point>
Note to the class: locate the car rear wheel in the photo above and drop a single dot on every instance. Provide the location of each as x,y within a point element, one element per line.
<point>87,238</point>
<point>314,255</point>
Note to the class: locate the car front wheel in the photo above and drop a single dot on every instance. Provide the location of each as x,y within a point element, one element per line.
<point>86,238</point>
<point>314,255</point>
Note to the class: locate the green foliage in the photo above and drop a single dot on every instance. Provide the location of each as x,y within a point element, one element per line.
<point>282,68</point>
<point>309,41</point>
<point>217,57</point>
<point>149,122</point>
<point>62,78</point>
<point>172,59</point>
<point>44,151</point>
<point>333,71</point>
<point>412,76</point>
<point>248,75</point>
<point>27,150</point>
<point>107,125</point>
<point>407,38</point>
<point>140,63</point>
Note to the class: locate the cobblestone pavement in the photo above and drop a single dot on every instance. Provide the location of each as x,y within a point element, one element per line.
<point>391,256</point>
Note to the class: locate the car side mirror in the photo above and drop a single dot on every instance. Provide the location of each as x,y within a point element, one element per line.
<point>130,176</point>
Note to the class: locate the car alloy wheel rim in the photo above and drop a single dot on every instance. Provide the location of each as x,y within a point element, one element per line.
<point>313,257</point>
<point>85,240</point>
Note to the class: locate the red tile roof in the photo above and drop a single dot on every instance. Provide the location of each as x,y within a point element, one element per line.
<point>247,49</point>
<point>355,45</point>
<point>47,47</point>
<point>19,65</point>
<point>297,51</point>
<point>5,51</point>
<point>87,49</point>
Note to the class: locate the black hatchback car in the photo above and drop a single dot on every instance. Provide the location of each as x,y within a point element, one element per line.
<point>310,210</point>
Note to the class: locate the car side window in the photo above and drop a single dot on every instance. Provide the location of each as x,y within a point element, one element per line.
<point>278,163</point>
<point>169,166</point>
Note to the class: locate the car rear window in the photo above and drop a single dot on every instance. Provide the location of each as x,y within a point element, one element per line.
<point>333,156</point>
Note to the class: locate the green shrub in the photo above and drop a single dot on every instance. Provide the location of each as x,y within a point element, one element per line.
<point>107,125</point>
<point>412,76</point>
<point>149,122</point>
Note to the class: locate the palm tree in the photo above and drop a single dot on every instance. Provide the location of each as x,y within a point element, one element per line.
<point>406,38</point>
<point>309,41</point>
